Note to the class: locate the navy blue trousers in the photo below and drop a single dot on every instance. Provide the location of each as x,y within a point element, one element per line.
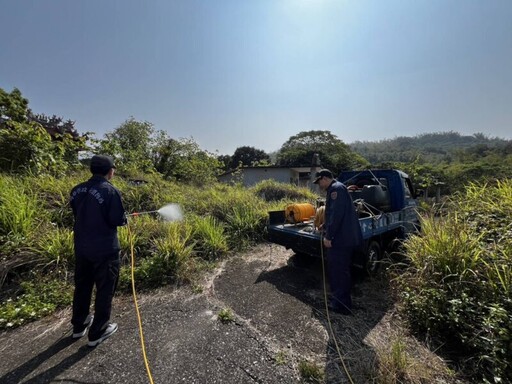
<point>339,260</point>
<point>103,274</point>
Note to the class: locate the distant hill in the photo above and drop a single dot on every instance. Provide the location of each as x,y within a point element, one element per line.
<point>429,147</point>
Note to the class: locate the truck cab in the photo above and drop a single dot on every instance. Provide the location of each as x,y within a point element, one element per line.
<point>386,205</point>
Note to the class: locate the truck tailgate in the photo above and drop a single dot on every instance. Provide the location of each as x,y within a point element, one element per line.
<point>302,238</point>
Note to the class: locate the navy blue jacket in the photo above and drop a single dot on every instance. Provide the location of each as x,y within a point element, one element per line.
<point>98,211</point>
<point>341,221</point>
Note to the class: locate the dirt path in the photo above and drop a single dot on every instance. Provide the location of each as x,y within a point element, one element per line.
<point>279,321</point>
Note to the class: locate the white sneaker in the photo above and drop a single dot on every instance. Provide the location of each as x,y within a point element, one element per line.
<point>109,331</point>
<point>78,333</point>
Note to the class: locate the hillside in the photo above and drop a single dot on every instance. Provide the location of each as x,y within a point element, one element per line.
<point>430,147</point>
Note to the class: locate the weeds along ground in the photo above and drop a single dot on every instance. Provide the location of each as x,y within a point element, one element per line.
<point>457,290</point>
<point>36,238</point>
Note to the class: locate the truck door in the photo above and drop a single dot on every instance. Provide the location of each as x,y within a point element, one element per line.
<point>410,212</point>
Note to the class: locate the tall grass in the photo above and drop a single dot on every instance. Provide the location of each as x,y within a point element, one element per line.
<point>210,238</point>
<point>246,226</point>
<point>20,213</point>
<point>36,225</point>
<point>458,286</point>
<point>142,229</point>
<point>270,190</point>
<point>57,249</point>
<point>168,262</point>
<point>53,193</point>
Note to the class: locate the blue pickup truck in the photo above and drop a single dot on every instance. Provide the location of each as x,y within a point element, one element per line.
<point>386,204</point>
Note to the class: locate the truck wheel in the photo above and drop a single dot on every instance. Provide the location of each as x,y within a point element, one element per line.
<point>396,252</point>
<point>373,256</point>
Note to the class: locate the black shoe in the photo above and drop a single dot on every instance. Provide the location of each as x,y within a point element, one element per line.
<point>109,331</point>
<point>78,332</point>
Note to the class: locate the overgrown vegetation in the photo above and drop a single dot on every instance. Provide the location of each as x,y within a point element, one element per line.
<point>37,241</point>
<point>34,300</point>
<point>270,190</point>
<point>458,288</point>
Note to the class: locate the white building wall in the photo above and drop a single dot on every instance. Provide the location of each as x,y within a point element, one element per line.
<point>251,176</point>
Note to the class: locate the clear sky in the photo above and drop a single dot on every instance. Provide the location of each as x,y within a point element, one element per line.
<point>231,73</point>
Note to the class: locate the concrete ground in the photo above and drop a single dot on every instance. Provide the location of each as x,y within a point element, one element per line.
<point>279,321</point>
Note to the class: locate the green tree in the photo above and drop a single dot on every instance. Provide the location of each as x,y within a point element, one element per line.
<point>183,160</point>
<point>248,156</point>
<point>225,160</point>
<point>25,147</point>
<point>13,106</point>
<point>131,145</point>
<point>334,153</point>
<point>35,143</point>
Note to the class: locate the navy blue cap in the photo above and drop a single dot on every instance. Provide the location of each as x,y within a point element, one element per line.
<point>101,164</point>
<point>322,173</point>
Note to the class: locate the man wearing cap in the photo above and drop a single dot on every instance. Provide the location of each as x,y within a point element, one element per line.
<point>341,236</point>
<point>98,211</point>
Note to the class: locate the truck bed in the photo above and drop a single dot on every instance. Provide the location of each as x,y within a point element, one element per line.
<point>303,238</point>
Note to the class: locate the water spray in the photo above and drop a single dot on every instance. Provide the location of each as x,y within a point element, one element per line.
<point>169,212</point>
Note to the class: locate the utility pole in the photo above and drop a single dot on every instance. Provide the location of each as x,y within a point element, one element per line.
<point>315,167</point>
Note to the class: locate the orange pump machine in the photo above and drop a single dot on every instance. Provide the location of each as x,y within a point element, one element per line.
<point>298,213</point>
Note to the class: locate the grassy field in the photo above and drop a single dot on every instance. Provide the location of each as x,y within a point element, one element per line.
<point>454,287</point>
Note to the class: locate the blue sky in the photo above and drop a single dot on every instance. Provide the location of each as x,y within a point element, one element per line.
<point>231,73</point>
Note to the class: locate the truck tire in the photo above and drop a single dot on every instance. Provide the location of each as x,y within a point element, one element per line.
<point>395,251</point>
<point>373,257</point>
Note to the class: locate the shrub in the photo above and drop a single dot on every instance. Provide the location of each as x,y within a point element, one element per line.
<point>458,286</point>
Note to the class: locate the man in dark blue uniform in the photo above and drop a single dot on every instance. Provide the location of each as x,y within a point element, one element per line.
<point>98,211</point>
<point>342,236</point>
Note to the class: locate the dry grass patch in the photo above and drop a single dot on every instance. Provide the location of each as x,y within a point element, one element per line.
<point>400,358</point>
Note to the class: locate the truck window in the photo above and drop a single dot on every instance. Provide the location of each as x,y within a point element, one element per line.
<point>407,190</point>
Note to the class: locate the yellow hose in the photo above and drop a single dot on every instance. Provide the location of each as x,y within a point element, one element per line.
<point>327,312</point>
<point>146,363</point>
<point>137,307</point>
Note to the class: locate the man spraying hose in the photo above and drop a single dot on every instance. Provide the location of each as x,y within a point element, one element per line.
<point>342,236</point>
<point>98,211</point>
